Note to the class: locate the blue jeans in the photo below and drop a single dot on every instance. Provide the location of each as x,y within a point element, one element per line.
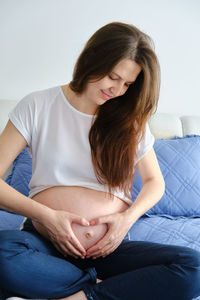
<point>31,267</point>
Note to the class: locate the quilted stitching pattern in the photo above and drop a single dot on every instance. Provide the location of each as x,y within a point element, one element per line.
<point>21,172</point>
<point>182,231</point>
<point>179,160</point>
<point>165,230</point>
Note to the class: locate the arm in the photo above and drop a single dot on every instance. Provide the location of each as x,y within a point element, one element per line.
<point>15,202</point>
<point>119,224</point>
<point>153,186</point>
<point>56,223</point>
<point>11,144</point>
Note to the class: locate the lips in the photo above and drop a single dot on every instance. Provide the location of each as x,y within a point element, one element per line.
<point>105,96</point>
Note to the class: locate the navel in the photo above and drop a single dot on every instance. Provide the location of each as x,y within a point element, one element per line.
<point>88,235</point>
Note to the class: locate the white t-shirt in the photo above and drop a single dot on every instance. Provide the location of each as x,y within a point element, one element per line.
<point>57,138</point>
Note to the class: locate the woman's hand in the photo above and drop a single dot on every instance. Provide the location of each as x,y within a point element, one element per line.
<point>57,228</point>
<point>118,226</point>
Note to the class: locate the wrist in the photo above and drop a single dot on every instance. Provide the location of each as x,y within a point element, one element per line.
<point>130,215</point>
<point>44,214</point>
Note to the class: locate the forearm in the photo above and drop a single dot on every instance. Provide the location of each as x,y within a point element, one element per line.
<point>15,202</point>
<point>150,194</point>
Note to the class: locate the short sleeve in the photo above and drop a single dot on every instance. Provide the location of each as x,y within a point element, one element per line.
<point>145,145</point>
<point>22,117</point>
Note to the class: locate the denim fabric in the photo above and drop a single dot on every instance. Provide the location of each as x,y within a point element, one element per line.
<point>31,267</point>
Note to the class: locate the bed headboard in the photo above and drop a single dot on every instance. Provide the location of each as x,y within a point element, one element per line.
<point>162,125</point>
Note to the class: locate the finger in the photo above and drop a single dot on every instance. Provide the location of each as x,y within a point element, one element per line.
<point>98,251</point>
<point>93,250</point>
<point>69,253</point>
<point>66,248</point>
<point>63,251</point>
<point>73,250</point>
<point>77,245</point>
<point>100,220</point>
<point>99,246</point>
<point>103,253</point>
<point>110,250</point>
<point>80,220</point>
<point>105,250</point>
<point>59,249</point>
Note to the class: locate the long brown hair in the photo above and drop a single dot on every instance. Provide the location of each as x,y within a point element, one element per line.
<point>120,122</point>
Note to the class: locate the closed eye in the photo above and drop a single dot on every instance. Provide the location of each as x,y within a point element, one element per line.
<point>126,84</point>
<point>112,77</point>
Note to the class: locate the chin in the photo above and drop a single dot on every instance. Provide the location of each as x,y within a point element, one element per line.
<point>100,101</point>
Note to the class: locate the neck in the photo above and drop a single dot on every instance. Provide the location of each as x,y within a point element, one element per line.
<point>79,102</point>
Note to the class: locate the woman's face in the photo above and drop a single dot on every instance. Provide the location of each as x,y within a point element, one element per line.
<point>114,84</point>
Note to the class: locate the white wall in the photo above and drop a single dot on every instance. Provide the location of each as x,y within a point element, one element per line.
<point>41,39</point>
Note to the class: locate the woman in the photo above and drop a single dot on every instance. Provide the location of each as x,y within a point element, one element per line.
<point>86,139</point>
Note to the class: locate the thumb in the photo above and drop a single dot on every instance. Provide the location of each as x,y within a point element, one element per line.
<point>99,220</point>
<point>81,221</point>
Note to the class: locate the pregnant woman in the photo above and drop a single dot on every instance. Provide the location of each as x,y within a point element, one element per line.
<point>86,139</point>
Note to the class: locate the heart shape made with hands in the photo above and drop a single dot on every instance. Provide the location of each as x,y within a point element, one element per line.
<point>89,235</point>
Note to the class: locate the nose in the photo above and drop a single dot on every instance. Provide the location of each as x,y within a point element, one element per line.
<point>117,89</point>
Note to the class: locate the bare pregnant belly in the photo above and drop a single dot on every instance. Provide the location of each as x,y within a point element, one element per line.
<point>84,202</point>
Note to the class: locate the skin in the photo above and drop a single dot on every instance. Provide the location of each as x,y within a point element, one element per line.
<point>115,84</point>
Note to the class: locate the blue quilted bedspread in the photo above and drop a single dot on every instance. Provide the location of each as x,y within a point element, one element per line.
<point>182,231</point>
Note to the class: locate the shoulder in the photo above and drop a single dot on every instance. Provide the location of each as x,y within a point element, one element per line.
<point>38,99</point>
<point>45,94</point>
<point>146,143</point>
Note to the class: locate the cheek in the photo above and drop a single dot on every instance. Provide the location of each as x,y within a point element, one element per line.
<point>124,90</point>
<point>103,83</point>
<point>98,86</point>
<point>93,89</point>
